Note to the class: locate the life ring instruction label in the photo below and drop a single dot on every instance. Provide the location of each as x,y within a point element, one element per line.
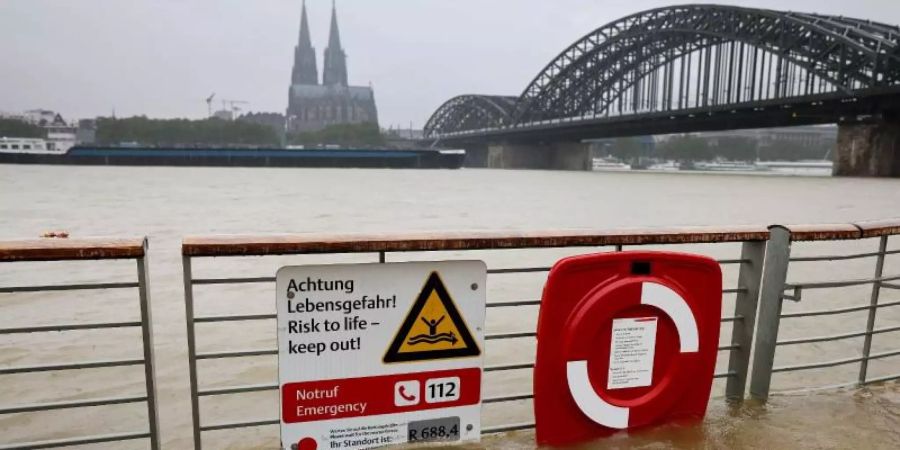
<point>631,353</point>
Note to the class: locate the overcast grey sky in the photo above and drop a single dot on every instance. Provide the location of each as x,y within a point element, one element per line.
<point>163,57</point>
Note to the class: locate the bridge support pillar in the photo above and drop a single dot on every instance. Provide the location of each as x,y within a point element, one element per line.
<point>476,155</point>
<point>868,150</point>
<point>557,156</point>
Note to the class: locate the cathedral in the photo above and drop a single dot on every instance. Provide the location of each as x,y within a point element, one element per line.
<point>313,106</point>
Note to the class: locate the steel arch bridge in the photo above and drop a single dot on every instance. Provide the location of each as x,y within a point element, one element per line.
<point>678,61</point>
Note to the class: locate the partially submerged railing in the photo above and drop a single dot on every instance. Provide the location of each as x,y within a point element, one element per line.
<point>381,245</point>
<point>776,290</point>
<point>761,289</point>
<point>83,250</point>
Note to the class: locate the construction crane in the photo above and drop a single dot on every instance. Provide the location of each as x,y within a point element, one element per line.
<point>209,104</point>
<point>230,105</point>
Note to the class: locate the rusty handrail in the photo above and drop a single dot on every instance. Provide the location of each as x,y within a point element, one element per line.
<point>848,231</point>
<point>239,245</point>
<point>878,228</point>
<point>307,243</point>
<point>72,249</point>
<point>823,232</point>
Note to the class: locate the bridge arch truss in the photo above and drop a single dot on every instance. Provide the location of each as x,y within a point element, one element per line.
<point>472,112</point>
<point>696,57</point>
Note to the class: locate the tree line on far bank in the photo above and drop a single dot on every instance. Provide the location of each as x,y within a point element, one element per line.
<point>19,129</point>
<point>183,132</point>
<point>345,135</point>
<point>206,132</point>
<point>694,148</point>
<point>214,131</point>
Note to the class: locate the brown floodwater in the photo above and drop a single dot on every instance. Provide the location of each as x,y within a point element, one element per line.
<point>167,204</point>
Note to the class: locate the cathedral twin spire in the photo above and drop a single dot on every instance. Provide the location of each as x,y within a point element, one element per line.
<point>305,69</point>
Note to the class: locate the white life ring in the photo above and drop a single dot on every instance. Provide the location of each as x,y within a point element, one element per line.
<point>598,409</point>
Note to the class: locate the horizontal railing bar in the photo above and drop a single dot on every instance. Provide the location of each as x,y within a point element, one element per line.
<point>514,303</point>
<point>524,334</point>
<point>67,287</point>
<point>508,398</point>
<point>507,428</point>
<point>841,257</point>
<point>729,347</point>
<point>884,355</point>
<point>68,442</point>
<point>69,327</point>
<point>833,337</point>
<point>818,365</point>
<point>235,354</point>
<point>883,378</point>
<point>72,249</point>
<point>836,362</point>
<point>547,269</point>
<point>239,318</point>
<point>843,283</point>
<point>232,425</point>
<point>724,374</point>
<point>522,270</point>
<point>538,302</point>
<point>827,312</point>
<point>237,389</point>
<point>837,337</point>
<point>732,261</point>
<point>315,243</point>
<point>71,366</point>
<point>198,281</point>
<point>71,404</point>
<point>499,271</point>
<point>502,367</point>
<point>732,319</point>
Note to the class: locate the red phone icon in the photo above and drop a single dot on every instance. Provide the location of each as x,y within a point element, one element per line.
<point>407,397</point>
<point>406,393</point>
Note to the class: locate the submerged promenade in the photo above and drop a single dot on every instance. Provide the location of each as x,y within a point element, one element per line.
<point>766,299</point>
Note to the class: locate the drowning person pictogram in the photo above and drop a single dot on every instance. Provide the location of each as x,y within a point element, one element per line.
<point>433,328</point>
<point>433,337</point>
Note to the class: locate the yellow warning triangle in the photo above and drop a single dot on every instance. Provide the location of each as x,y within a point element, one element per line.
<point>433,328</point>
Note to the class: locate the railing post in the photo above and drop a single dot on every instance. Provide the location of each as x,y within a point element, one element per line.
<point>873,310</point>
<point>147,336</point>
<point>746,302</point>
<point>192,348</point>
<point>778,255</point>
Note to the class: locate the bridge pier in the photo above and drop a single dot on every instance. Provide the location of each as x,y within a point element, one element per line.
<point>476,155</point>
<point>868,150</point>
<point>556,156</point>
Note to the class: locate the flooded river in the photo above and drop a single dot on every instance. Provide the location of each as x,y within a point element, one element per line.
<point>168,203</point>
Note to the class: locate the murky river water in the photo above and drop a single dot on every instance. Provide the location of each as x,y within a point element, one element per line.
<point>166,204</point>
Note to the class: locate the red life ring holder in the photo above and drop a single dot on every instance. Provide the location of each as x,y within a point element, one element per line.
<point>582,352</point>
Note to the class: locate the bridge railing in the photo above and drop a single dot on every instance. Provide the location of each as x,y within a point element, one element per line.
<point>776,290</point>
<point>80,251</point>
<point>735,348</point>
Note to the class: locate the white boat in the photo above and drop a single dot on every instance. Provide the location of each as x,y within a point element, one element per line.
<point>805,167</point>
<point>668,166</point>
<point>726,166</point>
<point>35,145</point>
<point>605,164</point>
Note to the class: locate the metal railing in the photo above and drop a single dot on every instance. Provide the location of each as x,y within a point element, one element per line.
<point>776,289</point>
<point>82,250</point>
<point>738,348</point>
<point>761,289</point>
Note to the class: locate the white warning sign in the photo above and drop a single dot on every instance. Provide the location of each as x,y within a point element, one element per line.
<point>371,355</point>
<point>632,348</point>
